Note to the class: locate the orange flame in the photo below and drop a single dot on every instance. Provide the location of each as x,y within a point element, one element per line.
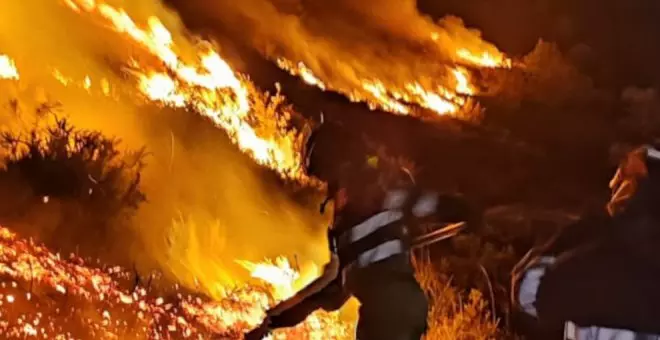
<point>398,100</point>
<point>463,85</point>
<point>484,59</point>
<point>278,274</point>
<point>302,71</point>
<point>207,86</point>
<point>441,96</point>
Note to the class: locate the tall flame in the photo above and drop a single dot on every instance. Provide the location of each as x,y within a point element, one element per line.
<point>207,86</point>
<point>203,83</point>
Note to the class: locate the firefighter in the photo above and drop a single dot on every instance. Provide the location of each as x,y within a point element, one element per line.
<point>598,279</point>
<point>377,207</point>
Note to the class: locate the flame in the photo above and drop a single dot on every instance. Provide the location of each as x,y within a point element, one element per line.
<point>283,278</point>
<point>436,101</point>
<point>443,96</point>
<point>382,98</point>
<point>484,59</point>
<point>378,96</point>
<point>56,298</point>
<point>463,85</point>
<point>207,86</point>
<point>399,100</point>
<point>8,68</point>
<point>279,274</point>
<point>302,71</point>
<point>66,298</point>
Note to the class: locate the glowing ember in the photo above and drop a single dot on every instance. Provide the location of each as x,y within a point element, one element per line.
<point>207,86</point>
<point>8,68</point>
<point>66,299</point>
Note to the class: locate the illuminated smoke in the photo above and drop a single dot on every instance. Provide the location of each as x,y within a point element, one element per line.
<point>387,54</point>
<point>130,69</point>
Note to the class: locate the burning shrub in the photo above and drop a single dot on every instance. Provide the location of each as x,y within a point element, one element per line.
<point>76,183</point>
<point>452,314</point>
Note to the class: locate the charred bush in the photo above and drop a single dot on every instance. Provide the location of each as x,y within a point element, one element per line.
<point>69,187</point>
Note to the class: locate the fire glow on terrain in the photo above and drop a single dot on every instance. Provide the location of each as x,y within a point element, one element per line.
<point>58,298</point>
<point>47,296</point>
<point>204,84</point>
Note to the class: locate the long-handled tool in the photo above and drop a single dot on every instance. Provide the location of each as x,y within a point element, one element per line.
<point>438,235</point>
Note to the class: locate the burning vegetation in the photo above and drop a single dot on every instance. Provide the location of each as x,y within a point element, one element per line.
<point>205,84</point>
<point>208,86</point>
<point>146,61</point>
<point>389,56</point>
<point>450,96</point>
<point>45,295</point>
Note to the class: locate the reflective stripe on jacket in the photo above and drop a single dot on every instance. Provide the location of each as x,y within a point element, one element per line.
<point>525,296</point>
<point>384,234</point>
<point>575,332</point>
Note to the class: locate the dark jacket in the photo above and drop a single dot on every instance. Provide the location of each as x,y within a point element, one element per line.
<point>605,272</point>
<point>369,283</point>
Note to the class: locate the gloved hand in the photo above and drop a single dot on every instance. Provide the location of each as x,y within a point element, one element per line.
<point>260,332</point>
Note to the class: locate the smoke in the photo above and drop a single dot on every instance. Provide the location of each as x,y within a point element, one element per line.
<point>207,203</point>
<point>347,42</point>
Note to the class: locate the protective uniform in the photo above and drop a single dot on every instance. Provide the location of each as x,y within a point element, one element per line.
<point>598,279</point>
<point>370,242</point>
